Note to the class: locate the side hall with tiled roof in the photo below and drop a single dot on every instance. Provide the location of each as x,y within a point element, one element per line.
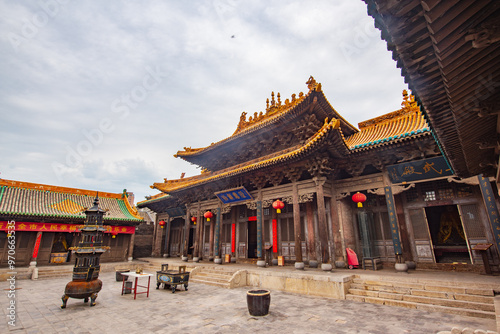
<point>47,220</point>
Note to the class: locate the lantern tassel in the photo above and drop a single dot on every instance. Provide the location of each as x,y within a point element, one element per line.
<point>208,219</point>
<point>278,210</point>
<point>360,205</point>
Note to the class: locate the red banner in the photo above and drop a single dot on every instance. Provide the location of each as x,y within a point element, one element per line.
<point>37,246</point>
<point>233,238</point>
<point>55,227</point>
<point>275,236</point>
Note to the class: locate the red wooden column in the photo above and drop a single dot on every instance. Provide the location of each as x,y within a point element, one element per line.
<point>322,225</point>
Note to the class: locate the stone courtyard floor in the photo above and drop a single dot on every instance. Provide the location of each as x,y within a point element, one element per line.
<point>207,309</point>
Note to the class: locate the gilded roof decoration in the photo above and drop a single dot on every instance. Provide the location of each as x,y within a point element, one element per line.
<point>405,122</point>
<point>39,200</point>
<point>274,109</point>
<point>272,159</point>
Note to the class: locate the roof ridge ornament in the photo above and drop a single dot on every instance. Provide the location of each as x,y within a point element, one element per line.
<point>275,106</point>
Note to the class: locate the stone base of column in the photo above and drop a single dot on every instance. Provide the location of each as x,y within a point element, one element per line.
<point>130,259</point>
<point>196,259</point>
<point>166,255</point>
<point>218,260</point>
<point>34,270</point>
<point>274,262</point>
<point>313,264</point>
<point>340,264</point>
<point>261,263</point>
<point>326,267</point>
<point>184,258</point>
<point>299,265</point>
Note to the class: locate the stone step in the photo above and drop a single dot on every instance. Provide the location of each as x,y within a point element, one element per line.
<point>420,306</point>
<point>485,305</point>
<point>386,285</point>
<point>429,284</point>
<point>222,284</point>
<point>472,295</point>
<point>203,273</point>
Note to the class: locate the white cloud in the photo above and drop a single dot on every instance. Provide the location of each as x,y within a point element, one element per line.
<point>217,58</point>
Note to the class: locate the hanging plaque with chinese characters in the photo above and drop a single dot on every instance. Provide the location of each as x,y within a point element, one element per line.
<point>234,195</point>
<point>419,170</point>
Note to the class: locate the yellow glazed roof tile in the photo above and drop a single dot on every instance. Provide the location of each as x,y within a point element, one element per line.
<point>405,122</point>
<point>290,153</point>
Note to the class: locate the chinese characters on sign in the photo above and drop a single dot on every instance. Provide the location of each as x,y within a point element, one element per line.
<point>234,195</point>
<point>54,227</point>
<point>393,221</point>
<point>419,170</point>
<point>491,207</point>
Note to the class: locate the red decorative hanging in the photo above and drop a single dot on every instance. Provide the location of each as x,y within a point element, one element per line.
<point>208,215</point>
<point>278,205</point>
<point>359,198</point>
<point>193,219</point>
<point>161,223</point>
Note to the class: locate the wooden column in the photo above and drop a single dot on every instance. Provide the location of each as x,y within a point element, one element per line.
<point>259,230</point>
<point>157,240</point>
<point>337,240</point>
<point>130,254</point>
<point>202,231</point>
<point>234,220</point>
<point>167,237</point>
<point>186,233</point>
<point>211,241</point>
<point>296,223</point>
<point>322,226</point>
<point>311,235</point>
<point>197,241</point>
<point>217,234</point>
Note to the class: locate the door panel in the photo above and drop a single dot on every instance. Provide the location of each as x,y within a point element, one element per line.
<point>423,242</point>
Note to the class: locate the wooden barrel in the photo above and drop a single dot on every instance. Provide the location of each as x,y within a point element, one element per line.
<point>258,302</point>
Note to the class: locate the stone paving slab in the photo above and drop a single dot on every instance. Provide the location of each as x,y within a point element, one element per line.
<point>208,309</point>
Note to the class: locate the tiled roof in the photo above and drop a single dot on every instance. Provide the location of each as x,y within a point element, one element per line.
<point>37,200</point>
<point>276,111</point>
<point>273,159</point>
<point>398,125</point>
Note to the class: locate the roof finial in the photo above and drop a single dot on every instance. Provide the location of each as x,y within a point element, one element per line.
<point>311,83</point>
<point>273,102</point>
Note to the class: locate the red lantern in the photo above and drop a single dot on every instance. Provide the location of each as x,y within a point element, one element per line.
<point>278,205</point>
<point>113,235</point>
<point>193,219</point>
<point>161,223</point>
<point>359,198</point>
<point>208,215</point>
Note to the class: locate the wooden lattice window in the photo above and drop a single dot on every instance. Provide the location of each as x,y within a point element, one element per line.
<point>472,222</point>
<point>420,229</point>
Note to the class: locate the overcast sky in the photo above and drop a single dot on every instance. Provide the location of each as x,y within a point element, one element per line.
<point>101,94</point>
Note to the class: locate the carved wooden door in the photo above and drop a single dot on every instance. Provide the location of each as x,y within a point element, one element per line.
<point>422,239</point>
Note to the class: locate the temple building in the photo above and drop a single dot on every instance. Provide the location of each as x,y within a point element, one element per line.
<point>303,153</point>
<point>48,219</point>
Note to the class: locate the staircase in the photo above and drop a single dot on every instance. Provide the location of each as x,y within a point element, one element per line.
<point>46,272</point>
<point>474,300</point>
<point>213,276</point>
